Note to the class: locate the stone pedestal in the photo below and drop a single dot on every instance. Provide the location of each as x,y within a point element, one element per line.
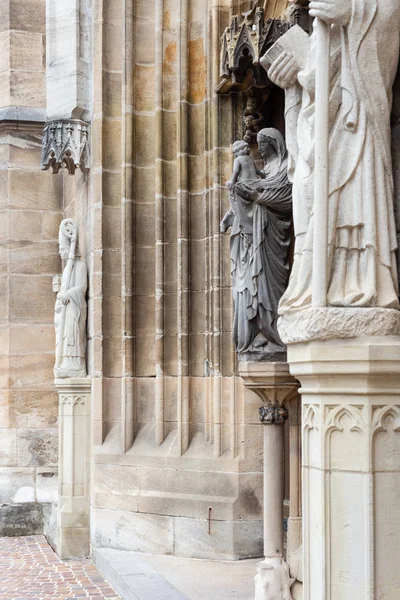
<point>351,466</point>
<point>73,532</point>
<point>273,383</point>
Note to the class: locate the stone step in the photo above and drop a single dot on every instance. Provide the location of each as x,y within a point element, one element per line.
<point>132,577</point>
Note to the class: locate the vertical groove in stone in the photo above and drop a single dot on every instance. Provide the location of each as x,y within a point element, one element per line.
<point>216,239</point>
<point>183,227</point>
<point>96,363</point>
<point>208,163</point>
<point>127,299</point>
<point>159,228</point>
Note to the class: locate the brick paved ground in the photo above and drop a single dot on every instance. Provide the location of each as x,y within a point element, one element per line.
<point>29,570</point>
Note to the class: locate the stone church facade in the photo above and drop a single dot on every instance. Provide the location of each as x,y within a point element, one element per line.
<point>120,115</point>
<point>175,439</point>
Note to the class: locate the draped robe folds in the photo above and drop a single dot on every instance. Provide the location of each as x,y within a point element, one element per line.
<point>73,361</point>
<point>260,241</point>
<point>362,234</point>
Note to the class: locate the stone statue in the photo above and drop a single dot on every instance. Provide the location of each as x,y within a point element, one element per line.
<point>70,308</point>
<point>261,219</point>
<point>252,119</point>
<point>362,234</point>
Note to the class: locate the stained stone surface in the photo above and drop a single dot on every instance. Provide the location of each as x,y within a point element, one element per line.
<point>30,211</point>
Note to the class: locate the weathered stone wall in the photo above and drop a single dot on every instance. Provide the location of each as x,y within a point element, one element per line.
<point>177,442</point>
<point>30,211</point>
<point>176,463</point>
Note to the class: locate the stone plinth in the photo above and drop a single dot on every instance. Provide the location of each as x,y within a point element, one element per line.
<point>351,466</point>
<point>73,467</point>
<point>274,384</point>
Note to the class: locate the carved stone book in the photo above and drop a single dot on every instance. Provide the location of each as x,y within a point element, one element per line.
<point>295,41</point>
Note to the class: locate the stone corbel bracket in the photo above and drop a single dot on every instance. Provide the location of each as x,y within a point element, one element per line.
<point>66,144</point>
<point>274,385</point>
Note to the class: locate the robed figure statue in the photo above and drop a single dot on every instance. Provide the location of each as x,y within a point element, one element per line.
<point>70,308</point>
<point>361,265</point>
<point>261,219</point>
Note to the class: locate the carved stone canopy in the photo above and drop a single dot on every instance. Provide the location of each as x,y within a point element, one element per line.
<point>245,41</point>
<point>65,144</point>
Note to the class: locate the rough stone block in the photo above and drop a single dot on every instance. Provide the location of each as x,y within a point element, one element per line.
<point>132,531</point>
<point>27,88</point>
<point>26,51</point>
<point>21,519</point>
<point>13,479</point>
<point>37,287</point>
<point>8,447</point>
<point>37,447</point>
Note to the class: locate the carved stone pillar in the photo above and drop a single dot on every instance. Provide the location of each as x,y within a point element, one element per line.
<point>351,466</point>
<point>73,467</point>
<point>273,383</point>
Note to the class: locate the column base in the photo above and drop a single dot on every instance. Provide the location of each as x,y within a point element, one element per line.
<point>273,580</point>
<point>73,510</point>
<point>351,466</point>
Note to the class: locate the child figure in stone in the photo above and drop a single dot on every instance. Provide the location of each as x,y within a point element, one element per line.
<point>244,169</point>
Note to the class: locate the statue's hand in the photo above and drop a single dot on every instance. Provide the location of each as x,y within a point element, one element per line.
<point>65,299</point>
<point>283,71</point>
<point>332,11</point>
<point>229,184</point>
<point>227,221</point>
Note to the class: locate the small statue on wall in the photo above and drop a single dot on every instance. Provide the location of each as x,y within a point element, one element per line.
<point>70,308</point>
<point>252,119</point>
<point>261,220</point>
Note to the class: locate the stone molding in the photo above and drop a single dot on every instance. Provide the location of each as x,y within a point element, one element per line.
<point>322,324</point>
<point>66,144</point>
<point>272,382</point>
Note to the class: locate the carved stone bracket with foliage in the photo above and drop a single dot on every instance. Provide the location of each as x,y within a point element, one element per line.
<point>246,40</point>
<point>65,144</point>
<point>274,385</point>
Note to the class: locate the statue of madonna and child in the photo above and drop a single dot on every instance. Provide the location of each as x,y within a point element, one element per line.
<point>260,218</point>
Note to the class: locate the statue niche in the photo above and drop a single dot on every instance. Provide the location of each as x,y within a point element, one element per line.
<point>70,309</point>
<point>260,218</point>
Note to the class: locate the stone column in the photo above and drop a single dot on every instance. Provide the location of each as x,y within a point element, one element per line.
<point>73,531</point>
<point>351,466</point>
<point>275,386</point>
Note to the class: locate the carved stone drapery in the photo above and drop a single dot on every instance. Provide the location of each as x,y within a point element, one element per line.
<point>65,144</point>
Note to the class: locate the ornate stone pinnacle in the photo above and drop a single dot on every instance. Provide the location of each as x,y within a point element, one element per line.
<point>65,143</point>
<point>273,414</point>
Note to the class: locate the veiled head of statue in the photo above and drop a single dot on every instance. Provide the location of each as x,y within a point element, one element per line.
<point>67,234</point>
<point>271,139</point>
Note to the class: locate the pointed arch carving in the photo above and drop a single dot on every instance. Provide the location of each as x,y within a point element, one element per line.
<point>336,414</point>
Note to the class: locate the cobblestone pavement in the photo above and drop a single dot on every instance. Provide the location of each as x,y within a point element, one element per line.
<point>30,570</point>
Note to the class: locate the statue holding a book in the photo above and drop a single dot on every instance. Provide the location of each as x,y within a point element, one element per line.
<point>361,264</point>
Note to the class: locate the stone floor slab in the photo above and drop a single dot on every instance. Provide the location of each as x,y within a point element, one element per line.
<point>139,576</point>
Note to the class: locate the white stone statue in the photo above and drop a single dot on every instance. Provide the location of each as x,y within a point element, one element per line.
<point>361,265</point>
<point>70,308</point>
